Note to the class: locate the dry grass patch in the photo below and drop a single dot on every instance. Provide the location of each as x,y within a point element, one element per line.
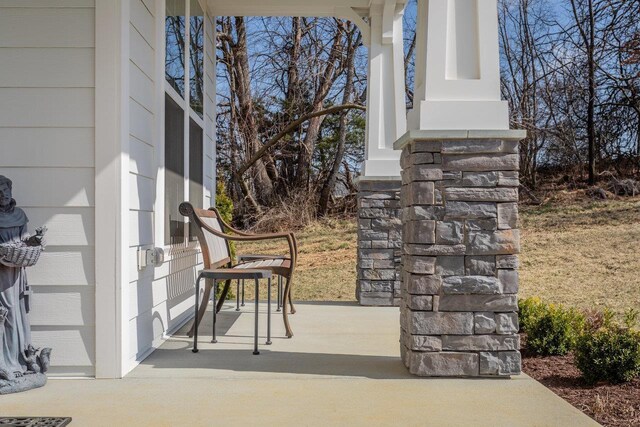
<point>327,260</point>
<point>575,252</point>
<point>582,254</point>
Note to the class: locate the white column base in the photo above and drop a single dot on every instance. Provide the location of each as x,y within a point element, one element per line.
<point>382,168</point>
<point>453,115</point>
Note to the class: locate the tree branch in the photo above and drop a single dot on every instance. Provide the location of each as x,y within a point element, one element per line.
<point>290,128</point>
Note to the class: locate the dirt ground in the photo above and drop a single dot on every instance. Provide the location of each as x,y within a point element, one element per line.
<point>610,405</point>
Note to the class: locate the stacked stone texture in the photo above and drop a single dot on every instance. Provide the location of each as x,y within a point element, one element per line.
<point>460,278</point>
<point>379,243</point>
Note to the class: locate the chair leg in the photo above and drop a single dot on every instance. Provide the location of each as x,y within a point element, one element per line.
<point>268,311</point>
<point>293,309</point>
<point>285,317</point>
<point>196,322</point>
<point>203,305</point>
<point>223,295</point>
<point>255,332</point>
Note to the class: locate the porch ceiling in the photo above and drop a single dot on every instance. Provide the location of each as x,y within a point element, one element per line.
<point>309,8</point>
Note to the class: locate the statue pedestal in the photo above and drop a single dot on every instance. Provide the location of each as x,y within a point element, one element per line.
<point>24,383</point>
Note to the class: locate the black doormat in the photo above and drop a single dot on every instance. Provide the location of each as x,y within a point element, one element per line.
<point>35,421</point>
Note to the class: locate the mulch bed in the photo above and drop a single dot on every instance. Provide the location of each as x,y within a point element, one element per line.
<point>608,404</point>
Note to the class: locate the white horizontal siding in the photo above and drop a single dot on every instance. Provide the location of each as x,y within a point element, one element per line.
<point>143,21</point>
<point>47,3</point>
<point>65,67</point>
<point>141,122</point>
<point>142,158</point>
<point>52,187</point>
<point>147,330</point>
<point>141,87</point>
<point>150,6</point>
<point>140,229</point>
<point>63,306</point>
<point>47,27</point>
<point>66,226</point>
<point>73,347</point>
<point>173,262</point>
<point>159,298</point>
<point>142,193</point>
<point>47,80</point>
<point>142,54</point>
<point>47,147</point>
<point>46,107</point>
<point>64,265</point>
<point>176,278</point>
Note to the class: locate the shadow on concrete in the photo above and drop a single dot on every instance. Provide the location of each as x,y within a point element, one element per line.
<point>242,360</point>
<point>219,359</point>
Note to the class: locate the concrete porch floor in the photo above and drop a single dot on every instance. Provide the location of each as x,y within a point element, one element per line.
<point>341,368</point>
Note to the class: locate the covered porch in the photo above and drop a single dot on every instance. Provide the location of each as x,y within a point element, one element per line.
<point>343,368</point>
<point>148,148</point>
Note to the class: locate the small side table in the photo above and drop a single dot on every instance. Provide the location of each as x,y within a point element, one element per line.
<point>221,274</point>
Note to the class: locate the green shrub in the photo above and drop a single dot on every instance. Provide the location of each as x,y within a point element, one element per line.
<point>224,204</point>
<point>610,353</point>
<point>631,318</point>
<point>552,329</point>
<point>529,308</point>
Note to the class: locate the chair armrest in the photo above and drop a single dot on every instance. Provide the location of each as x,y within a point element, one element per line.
<point>252,257</point>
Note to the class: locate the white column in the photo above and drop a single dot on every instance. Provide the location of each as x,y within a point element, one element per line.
<point>386,107</point>
<point>457,80</point>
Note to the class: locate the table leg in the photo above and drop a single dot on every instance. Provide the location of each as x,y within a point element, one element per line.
<point>238,295</point>
<point>242,305</point>
<point>279,304</point>
<point>268,311</point>
<point>215,315</point>
<point>195,325</point>
<point>255,332</point>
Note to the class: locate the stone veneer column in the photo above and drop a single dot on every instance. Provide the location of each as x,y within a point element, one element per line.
<point>460,278</point>
<point>379,242</point>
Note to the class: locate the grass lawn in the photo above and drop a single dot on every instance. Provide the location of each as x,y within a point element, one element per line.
<point>579,253</point>
<point>582,254</point>
<point>327,260</point>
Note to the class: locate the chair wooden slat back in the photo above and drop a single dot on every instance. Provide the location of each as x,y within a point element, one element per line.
<point>215,249</point>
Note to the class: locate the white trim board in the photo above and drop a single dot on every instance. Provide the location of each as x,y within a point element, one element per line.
<point>110,163</point>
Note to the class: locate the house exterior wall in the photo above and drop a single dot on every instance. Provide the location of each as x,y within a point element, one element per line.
<point>47,143</point>
<point>158,299</point>
<point>47,149</point>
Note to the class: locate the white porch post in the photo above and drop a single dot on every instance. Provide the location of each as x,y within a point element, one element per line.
<point>457,79</point>
<point>459,200</point>
<point>379,227</point>
<point>386,107</point>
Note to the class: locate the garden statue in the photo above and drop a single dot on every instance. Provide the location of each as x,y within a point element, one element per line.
<point>21,367</point>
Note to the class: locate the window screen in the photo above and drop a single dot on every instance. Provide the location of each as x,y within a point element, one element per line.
<point>174,171</point>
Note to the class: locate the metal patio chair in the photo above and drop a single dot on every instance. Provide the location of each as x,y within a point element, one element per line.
<point>243,258</point>
<point>214,235</point>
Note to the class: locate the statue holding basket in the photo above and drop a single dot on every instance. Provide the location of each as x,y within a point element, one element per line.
<point>21,367</point>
